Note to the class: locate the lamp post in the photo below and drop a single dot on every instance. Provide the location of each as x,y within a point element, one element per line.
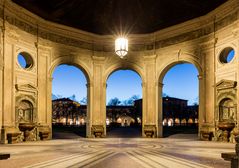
<point>121,46</point>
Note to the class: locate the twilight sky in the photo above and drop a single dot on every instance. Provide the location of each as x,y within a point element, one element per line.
<point>180,81</point>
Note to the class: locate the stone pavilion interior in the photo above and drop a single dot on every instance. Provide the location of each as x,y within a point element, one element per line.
<point>161,34</point>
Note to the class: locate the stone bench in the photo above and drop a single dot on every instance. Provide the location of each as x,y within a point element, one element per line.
<point>232,156</point>
<point>12,137</point>
<point>43,135</point>
<point>206,135</point>
<point>4,156</point>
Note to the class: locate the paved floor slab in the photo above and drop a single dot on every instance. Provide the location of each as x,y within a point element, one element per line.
<point>180,151</point>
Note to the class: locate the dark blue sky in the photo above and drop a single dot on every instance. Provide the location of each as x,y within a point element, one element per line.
<point>180,81</point>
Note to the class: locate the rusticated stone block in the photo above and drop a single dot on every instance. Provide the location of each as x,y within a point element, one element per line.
<point>44,135</point>
<point>13,137</point>
<point>206,135</point>
<point>150,131</point>
<point>97,130</point>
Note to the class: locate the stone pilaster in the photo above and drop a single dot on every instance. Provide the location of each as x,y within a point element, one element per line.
<point>209,89</point>
<point>98,104</point>
<point>149,96</point>
<point>201,111</point>
<point>89,109</point>
<point>160,109</point>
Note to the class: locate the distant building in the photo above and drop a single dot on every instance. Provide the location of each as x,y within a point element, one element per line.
<point>175,111</point>
<point>68,112</point>
<point>124,115</point>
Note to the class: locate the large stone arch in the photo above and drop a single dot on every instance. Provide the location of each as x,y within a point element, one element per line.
<point>70,61</point>
<point>184,58</point>
<point>124,66</point>
<point>79,64</point>
<point>171,63</point>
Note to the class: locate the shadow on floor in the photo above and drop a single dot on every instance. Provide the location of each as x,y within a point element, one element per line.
<point>68,132</point>
<point>71,132</point>
<point>168,131</point>
<point>124,132</point>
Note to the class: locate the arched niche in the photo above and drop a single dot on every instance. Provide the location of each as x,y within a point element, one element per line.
<point>26,104</point>
<point>227,110</point>
<point>226,100</point>
<point>25,112</point>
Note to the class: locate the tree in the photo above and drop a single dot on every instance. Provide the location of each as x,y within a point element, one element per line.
<point>130,101</point>
<point>165,95</point>
<point>114,102</point>
<point>83,100</point>
<point>53,97</point>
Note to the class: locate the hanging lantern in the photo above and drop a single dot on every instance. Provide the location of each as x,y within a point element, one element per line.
<point>121,46</point>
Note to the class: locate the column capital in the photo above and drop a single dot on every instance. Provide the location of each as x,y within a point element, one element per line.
<point>159,84</point>
<point>50,78</point>
<point>150,57</point>
<point>200,77</point>
<point>104,85</point>
<point>89,85</point>
<point>143,84</point>
<point>98,58</point>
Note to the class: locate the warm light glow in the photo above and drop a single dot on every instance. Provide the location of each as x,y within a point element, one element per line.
<point>165,122</point>
<point>107,121</point>
<point>190,121</point>
<point>177,121</point>
<point>184,122</point>
<point>170,122</point>
<point>82,121</point>
<point>121,46</point>
<point>196,120</point>
<point>119,120</point>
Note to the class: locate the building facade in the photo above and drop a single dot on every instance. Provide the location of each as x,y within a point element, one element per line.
<point>176,112</point>
<point>68,112</point>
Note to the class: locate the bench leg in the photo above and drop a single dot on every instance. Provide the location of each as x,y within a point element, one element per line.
<point>234,163</point>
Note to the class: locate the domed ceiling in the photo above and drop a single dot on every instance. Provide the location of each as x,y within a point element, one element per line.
<point>115,16</point>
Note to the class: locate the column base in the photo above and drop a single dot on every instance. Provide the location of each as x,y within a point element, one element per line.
<point>150,131</point>
<point>97,131</point>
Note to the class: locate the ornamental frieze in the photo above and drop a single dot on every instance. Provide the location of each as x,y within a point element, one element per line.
<point>135,47</point>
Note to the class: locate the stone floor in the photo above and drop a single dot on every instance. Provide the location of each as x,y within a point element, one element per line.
<point>177,151</point>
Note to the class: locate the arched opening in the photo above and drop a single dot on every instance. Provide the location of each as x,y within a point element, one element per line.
<point>180,99</point>
<point>124,104</point>
<point>69,102</point>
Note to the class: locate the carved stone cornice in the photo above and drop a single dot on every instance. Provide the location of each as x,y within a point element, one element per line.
<point>226,84</point>
<point>26,88</point>
<point>29,23</point>
<point>150,57</point>
<point>98,60</point>
<point>12,34</point>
